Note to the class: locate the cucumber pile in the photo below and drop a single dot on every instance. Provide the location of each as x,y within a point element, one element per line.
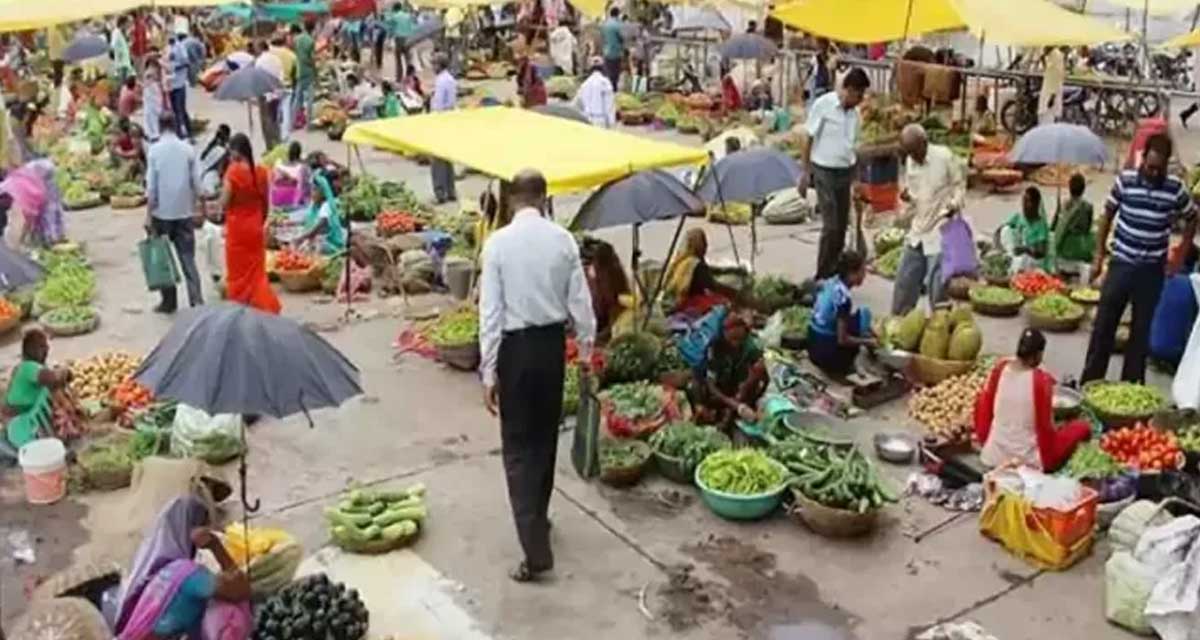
<point>374,519</point>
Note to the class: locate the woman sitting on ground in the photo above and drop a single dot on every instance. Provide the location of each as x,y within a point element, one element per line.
<point>169,595</point>
<point>1014,414</point>
<point>323,225</point>
<point>1026,235</point>
<point>38,394</point>
<point>127,149</point>
<point>612,299</point>
<point>735,376</point>
<point>290,181</point>
<point>689,284</point>
<point>1074,240</point>
<point>837,332</point>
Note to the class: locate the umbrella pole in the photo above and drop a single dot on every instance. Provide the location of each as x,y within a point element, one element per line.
<point>247,508</point>
<point>721,199</point>
<point>662,274</point>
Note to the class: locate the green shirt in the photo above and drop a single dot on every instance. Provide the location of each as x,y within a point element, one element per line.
<point>614,42</point>
<point>24,389</point>
<point>391,106</point>
<point>1030,234</point>
<point>306,64</point>
<point>1073,236</point>
<point>400,24</point>
<point>728,370</point>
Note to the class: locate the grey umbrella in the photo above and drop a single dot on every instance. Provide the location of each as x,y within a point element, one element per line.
<point>16,270</point>
<point>645,196</point>
<point>85,46</point>
<point>700,19</point>
<point>1059,143</point>
<point>425,30</point>
<point>561,110</point>
<point>748,46</point>
<point>247,83</point>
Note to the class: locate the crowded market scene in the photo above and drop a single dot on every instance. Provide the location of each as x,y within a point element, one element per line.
<point>398,319</point>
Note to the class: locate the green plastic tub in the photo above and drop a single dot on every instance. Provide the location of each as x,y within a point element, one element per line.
<point>738,507</point>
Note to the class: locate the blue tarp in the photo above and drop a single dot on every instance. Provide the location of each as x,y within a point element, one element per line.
<point>278,12</point>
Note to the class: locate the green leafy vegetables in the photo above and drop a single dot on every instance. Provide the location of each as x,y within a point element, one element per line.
<point>772,293</point>
<point>741,472</point>
<point>622,454</point>
<point>635,400</point>
<point>1090,461</point>
<point>795,321</point>
<point>630,357</point>
<point>455,329</point>
<point>688,442</point>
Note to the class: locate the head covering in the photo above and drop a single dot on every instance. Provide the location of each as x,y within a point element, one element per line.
<point>595,62</point>
<point>170,539</point>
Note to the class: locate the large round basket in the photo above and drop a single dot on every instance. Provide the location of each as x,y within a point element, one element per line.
<point>301,281</point>
<point>672,468</point>
<point>463,356</point>
<point>80,205</point>
<point>108,479</point>
<point>830,522</point>
<point>931,371</point>
<point>60,618</point>
<point>738,507</point>
<point>1056,325</point>
<point>8,324</point>
<point>68,329</point>
<point>1115,420</point>
<point>998,281</point>
<point>959,288</point>
<point>628,476</point>
<point>126,202</point>
<point>997,310</point>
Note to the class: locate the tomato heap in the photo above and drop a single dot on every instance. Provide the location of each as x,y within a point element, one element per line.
<point>1143,448</point>
<point>396,222</point>
<point>1035,283</point>
<point>289,260</point>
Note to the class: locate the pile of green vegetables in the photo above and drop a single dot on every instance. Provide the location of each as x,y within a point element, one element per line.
<point>1056,306</point>
<point>669,359</point>
<point>129,190</point>
<point>563,86</point>
<point>742,472</point>
<point>772,293</point>
<point>1123,398</point>
<point>1090,461</point>
<point>635,400</point>
<point>631,357</point>
<point>687,442</point>
<point>69,281</point>
<point>456,329</point>
<point>364,517</point>
<point>117,453</point>
<point>995,265</point>
<point>887,264</point>
<point>570,401</point>
<point>836,475</point>
<point>368,196</point>
<point>888,239</point>
<point>622,454</point>
<point>1189,438</point>
<point>999,296</point>
<point>795,321</point>
<point>72,315</point>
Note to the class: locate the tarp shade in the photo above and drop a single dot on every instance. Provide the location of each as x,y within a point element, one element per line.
<point>279,12</point>
<point>502,141</point>
<point>19,15</point>
<point>1184,41</point>
<point>1013,22</point>
<point>593,9</point>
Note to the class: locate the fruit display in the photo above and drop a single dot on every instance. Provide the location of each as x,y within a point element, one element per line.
<point>634,400</point>
<point>836,476</point>
<point>689,443</point>
<point>313,608</point>
<point>1090,460</point>
<point>129,190</point>
<point>69,281</point>
<point>1055,306</point>
<point>947,409</point>
<point>129,394</point>
<point>1123,398</point>
<point>562,86</point>
<point>1189,438</point>
<point>94,378</point>
<point>68,316</point>
<point>1032,284</point>
<point>1143,448</point>
<point>668,113</point>
<point>272,556</point>
<point>1086,295</point>
<point>292,261</point>
<point>742,472</point>
<point>887,264</point>
<point>772,293</point>
<point>456,328</point>
<point>888,239</point>
<point>394,222</point>
<point>995,265</point>
<point>631,357</point>
<point>628,102</point>
<point>365,519</point>
<point>8,310</point>
<point>946,335</point>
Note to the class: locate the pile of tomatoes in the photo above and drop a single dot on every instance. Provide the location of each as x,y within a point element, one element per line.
<point>388,222</point>
<point>1034,283</point>
<point>289,260</point>
<point>130,395</point>
<point>1143,448</point>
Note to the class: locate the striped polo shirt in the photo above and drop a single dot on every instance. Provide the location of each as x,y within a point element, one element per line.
<point>1144,214</point>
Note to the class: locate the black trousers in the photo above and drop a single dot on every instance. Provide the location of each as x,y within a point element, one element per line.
<point>833,205</point>
<point>1126,283</point>
<point>182,234</point>
<point>530,370</point>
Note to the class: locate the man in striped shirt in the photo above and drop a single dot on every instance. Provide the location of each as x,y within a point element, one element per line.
<point>1144,204</point>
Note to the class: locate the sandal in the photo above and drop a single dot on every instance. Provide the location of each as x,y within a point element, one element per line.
<point>523,574</point>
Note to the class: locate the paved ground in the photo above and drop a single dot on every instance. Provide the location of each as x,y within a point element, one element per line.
<point>647,562</point>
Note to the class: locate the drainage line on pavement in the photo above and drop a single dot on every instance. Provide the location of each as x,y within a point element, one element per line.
<point>641,551</point>
<point>979,604</point>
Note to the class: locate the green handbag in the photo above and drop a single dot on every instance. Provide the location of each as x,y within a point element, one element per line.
<point>585,450</point>
<point>158,263</point>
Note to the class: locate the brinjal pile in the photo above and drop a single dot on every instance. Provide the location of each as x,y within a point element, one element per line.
<point>313,608</point>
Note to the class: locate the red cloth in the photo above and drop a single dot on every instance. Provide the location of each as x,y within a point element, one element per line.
<point>245,240</point>
<point>533,90</point>
<point>700,303</point>
<point>731,98</point>
<point>128,102</point>
<point>1054,444</point>
<point>140,44</point>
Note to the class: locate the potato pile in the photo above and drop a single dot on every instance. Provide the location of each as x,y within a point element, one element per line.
<point>947,408</point>
<point>95,377</point>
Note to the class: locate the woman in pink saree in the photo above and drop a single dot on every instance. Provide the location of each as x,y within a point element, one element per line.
<point>169,596</point>
<point>35,194</point>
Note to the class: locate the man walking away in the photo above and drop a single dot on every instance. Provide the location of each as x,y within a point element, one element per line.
<point>830,162</point>
<point>401,26</point>
<point>122,61</point>
<point>445,96</point>
<point>935,187</point>
<point>1144,204</point>
<point>595,98</point>
<point>177,55</point>
<point>532,283</point>
<point>197,52</point>
<point>287,61</point>
<point>172,191</point>
<point>613,46</point>
<point>305,49</point>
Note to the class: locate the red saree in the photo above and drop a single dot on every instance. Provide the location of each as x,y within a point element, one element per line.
<point>245,239</point>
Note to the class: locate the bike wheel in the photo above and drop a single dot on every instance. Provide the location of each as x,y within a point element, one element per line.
<point>1015,117</point>
<point>1148,105</point>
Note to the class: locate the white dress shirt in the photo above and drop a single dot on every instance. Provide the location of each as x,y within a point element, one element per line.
<point>595,99</point>
<point>832,132</point>
<point>936,188</point>
<point>532,277</point>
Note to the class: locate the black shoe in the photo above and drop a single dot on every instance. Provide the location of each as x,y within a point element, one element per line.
<point>163,309</point>
<point>1183,120</point>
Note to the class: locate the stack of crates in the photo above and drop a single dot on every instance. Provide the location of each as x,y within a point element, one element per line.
<point>880,179</point>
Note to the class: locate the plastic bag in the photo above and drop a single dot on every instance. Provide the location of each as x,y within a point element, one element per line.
<point>1127,586</point>
<point>1186,387</point>
<point>772,335</point>
<point>1045,538</point>
<point>958,249</point>
<point>213,439</point>
<point>585,448</point>
<point>158,263</point>
<point>1173,609</point>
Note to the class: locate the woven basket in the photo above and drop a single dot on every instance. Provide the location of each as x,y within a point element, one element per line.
<point>673,468</point>
<point>1056,325</point>
<point>376,547</point>
<point>1003,281</point>
<point>997,310</point>
<point>72,328</point>
<point>830,522</point>
<point>628,476</point>
<point>959,288</point>
<point>84,204</point>
<point>8,324</point>
<point>60,618</point>
<point>465,357</point>
<point>126,202</point>
<point>931,371</point>
<point>301,281</point>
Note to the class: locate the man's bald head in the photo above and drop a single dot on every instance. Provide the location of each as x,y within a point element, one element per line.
<point>914,141</point>
<point>528,189</point>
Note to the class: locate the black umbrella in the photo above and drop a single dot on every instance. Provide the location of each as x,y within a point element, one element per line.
<point>247,84</point>
<point>645,196</point>
<point>85,46</point>
<point>17,270</point>
<point>748,46</point>
<point>425,30</point>
<point>564,111</point>
<point>749,176</point>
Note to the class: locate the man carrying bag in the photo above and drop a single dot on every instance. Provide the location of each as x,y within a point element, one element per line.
<point>172,191</point>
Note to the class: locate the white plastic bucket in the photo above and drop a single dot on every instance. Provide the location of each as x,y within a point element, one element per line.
<point>44,464</point>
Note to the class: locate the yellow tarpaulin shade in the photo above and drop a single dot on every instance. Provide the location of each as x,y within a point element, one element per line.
<point>1184,41</point>
<point>1159,7</point>
<point>26,14</point>
<point>1015,22</point>
<point>593,9</point>
<point>501,141</point>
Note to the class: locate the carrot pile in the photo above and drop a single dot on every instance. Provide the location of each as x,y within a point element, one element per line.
<point>1034,283</point>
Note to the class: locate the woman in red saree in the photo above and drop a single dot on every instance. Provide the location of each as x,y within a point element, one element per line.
<point>244,200</point>
<point>1014,414</point>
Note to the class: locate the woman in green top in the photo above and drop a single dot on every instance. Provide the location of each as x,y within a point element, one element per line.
<point>736,376</point>
<point>323,220</point>
<point>1074,239</point>
<point>32,387</point>
<point>391,102</point>
<point>1026,236</point>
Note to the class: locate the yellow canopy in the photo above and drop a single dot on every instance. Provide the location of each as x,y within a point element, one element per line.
<point>1184,41</point>
<point>502,141</point>
<point>593,9</point>
<point>1015,22</point>
<point>1159,7</point>
<point>19,15</point>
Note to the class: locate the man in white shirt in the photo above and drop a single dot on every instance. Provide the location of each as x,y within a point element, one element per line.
<point>595,97</point>
<point>532,284</point>
<point>935,186</point>
<point>830,162</point>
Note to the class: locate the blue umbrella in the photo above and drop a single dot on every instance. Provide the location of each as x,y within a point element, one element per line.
<point>748,46</point>
<point>749,176</point>
<point>247,83</point>
<point>1059,143</point>
<point>85,46</point>
<point>16,270</point>
<point>645,196</point>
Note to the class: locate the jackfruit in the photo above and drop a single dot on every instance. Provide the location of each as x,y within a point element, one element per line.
<point>908,335</point>
<point>965,343</point>
<point>959,315</point>
<point>890,331</point>
<point>936,338</point>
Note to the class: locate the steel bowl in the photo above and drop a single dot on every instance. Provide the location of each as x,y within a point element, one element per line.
<point>898,448</point>
<point>1066,402</point>
<point>894,358</point>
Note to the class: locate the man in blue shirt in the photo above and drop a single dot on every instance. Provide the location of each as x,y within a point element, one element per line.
<point>1143,206</point>
<point>445,96</point>
<point>172,188</point>
<point>613,47</point>
<point>180,61</point>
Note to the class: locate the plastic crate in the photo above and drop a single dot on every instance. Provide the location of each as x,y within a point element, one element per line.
<point>1066,526</point>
